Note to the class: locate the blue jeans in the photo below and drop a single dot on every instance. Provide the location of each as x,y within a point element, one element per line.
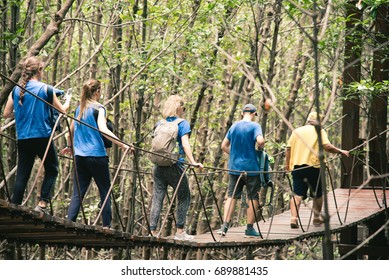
<point>88,168</point>
<point>163,177</point>
<point>28,149</point>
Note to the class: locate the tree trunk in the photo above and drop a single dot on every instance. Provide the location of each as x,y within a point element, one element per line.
<point>99,17</point>
<point>273,55</point>
<point>351,73</point>
<point>379,105</point>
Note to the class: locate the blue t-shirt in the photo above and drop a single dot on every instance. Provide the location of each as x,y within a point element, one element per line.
<point>33,116</point>
<point>87,141</point>
<point>183,128</point>
<point>243,157</point>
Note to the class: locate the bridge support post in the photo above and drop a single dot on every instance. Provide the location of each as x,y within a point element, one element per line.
<point>349,236</point>
<point>381,240</point>
<point>249,253</point>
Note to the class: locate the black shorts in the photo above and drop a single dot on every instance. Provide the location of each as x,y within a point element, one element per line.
<point>252,184</point>
<point>306,177</point>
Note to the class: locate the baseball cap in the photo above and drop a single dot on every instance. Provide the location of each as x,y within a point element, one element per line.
<point>250,108</point>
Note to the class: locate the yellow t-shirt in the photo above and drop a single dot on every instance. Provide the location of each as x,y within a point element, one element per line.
<point>299,142</point>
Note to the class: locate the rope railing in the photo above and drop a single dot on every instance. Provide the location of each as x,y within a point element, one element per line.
<point>206,174</point>
<point>209,170</point>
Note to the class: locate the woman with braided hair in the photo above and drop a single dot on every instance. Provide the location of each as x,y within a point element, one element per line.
<point>33,129</point>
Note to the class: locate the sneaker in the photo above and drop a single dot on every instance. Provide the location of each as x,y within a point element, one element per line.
<point>42,210</point>
<point>223,230</point>
<point>251,232</point>
<point>183,236</point>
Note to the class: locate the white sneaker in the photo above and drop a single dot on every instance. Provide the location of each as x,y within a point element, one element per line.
<point>42,210</point>
<point>183,236</point>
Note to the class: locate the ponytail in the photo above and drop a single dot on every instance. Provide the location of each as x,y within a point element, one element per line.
<point>88,90</point>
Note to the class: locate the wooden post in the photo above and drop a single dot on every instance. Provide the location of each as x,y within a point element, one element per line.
<point>380,240</point>
<point>352,73</point>
<point>379,105</point>
<point>349,236</point>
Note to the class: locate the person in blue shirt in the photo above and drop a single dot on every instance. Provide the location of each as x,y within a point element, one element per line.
<point>89,151</point>
<point>33,129</point>
<point>164,176</point>
<point>240,143</point>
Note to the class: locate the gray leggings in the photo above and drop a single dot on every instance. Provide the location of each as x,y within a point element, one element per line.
<point>163,177</point>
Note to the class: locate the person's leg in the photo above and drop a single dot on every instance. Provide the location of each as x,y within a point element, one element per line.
<point>229,208</point>
<point>26,158</point>
<point>98,167</point>
<point>295,202</point>
<point>253,206</point>
<point>317,205</point>
<point>300,189</point>
<point>183,194</point>
<point>159,192</point>
<point>82,179</point>
<point>252,186</point>
<point>51,170</point>
<point>316,192</point>
<point>235,187</point>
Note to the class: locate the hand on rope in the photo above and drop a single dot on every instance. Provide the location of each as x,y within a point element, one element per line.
<point>198,164</point>
<point>66,151</point>
<point>127,148</point>
<point>344,152</point>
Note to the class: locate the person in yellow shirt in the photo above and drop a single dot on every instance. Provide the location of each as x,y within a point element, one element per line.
<point>302,158</point>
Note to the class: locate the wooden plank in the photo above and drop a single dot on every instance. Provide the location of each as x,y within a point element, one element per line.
<point>24,225</point>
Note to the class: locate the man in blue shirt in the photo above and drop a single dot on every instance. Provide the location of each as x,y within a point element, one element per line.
<point>243,167</point>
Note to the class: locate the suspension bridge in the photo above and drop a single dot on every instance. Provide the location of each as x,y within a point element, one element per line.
<point>349,208</point>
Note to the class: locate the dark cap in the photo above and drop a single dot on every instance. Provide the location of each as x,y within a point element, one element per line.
<point>249,108</point>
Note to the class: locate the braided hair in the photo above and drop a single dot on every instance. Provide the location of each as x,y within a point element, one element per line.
<point>31,67</point>
<point>88,90</point>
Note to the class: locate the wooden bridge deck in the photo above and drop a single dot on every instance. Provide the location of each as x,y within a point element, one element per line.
<point>27,226</point>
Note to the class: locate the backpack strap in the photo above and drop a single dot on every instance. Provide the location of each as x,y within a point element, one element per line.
<point>96,112</point>
<point>178,121</point>
<point>262,158</point>
<point>50,92</point>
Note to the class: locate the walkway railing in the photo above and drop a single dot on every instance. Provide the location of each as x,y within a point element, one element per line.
<point>209,171</point>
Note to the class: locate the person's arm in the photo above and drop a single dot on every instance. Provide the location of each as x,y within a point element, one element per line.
<point>188,151</point>
<point>61,107</point>
<point>287,159</point>
<point>9,108</point>
<point>68,150</point>
<point>102,124</point>
<point>226,145</point>
<point>334,150</point>
<point>260,141</point>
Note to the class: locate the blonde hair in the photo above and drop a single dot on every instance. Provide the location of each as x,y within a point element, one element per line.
<point>88,90</point>
<point>312,118</point>
<point>31,67</point>
<point>172,104</point>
